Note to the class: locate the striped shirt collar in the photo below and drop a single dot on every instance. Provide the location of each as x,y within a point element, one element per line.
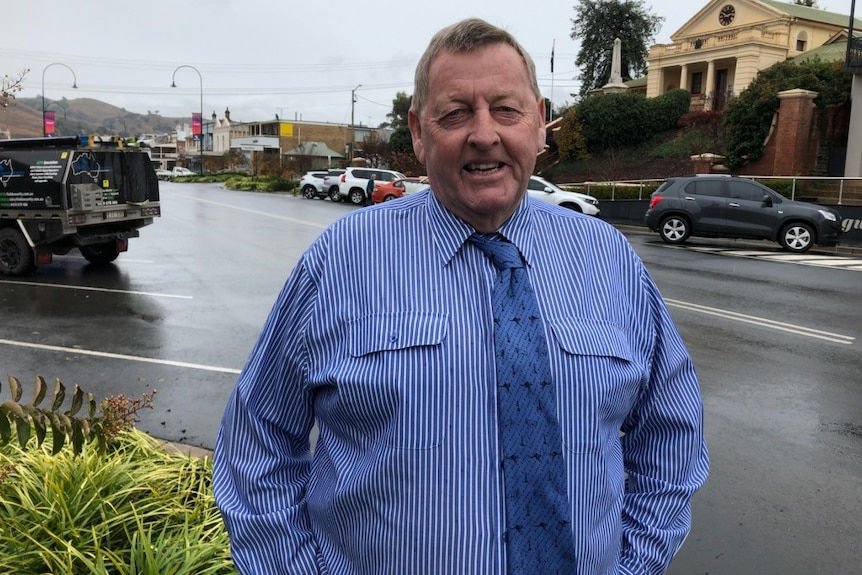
<point>450,232</point>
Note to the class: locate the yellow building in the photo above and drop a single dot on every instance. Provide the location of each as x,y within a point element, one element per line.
<point>720,50</point>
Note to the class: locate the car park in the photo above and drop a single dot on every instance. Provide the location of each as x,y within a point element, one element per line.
<point>397,188</point>
<point>330,183</point>
<point>354,181</point>
<point>722,206</point>
<point>544,190</point>
<point>311,185</point>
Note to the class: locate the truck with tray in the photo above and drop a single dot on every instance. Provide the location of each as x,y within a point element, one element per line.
<point>58,194</point>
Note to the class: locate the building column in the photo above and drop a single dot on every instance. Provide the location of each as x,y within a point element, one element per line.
<point>683,77</point>
<point>853,160</point>
<point>709,85</point>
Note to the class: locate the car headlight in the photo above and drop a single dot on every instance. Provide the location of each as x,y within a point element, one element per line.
<point>828,215</point>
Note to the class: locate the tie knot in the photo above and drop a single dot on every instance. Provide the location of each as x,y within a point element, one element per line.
<point>503,254</point>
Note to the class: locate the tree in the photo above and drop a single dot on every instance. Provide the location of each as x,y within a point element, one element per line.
<point>597,23</point>
<point>400,107</point>
<point>9,86</point>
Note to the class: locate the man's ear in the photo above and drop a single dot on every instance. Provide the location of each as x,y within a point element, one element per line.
<point>416,133</point>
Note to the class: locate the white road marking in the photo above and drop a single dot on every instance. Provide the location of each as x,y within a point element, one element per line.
<point>259,213</point>
<point>817,260</point>
<point>80,351</point>
<point>98,289</point>
<point>763,322</point>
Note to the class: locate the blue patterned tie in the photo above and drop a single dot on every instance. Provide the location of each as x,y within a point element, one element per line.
<point>539,537</point>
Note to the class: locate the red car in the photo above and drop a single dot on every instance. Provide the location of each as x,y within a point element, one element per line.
<point>397,188</point>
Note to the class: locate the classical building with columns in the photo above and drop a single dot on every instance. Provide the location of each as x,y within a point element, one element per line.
<point>720,50</point>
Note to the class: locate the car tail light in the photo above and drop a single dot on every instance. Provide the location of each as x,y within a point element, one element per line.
<point>654,201</point>
<point>342,178</point>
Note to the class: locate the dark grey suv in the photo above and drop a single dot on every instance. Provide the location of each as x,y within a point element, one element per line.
<point>731,207</point>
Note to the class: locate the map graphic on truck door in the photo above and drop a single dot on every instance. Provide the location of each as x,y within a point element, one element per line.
<point>86,164</point>
<point>6,171</point>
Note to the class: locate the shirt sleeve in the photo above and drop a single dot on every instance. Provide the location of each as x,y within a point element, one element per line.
<point>262,453</point>
<point>664,449</point>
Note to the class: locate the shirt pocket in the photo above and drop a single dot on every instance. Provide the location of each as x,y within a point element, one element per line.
<point>598,381</point>
<point>397,377</point>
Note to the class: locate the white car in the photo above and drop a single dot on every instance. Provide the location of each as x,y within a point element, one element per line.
<point>544,190</point>
<point>354,181</point>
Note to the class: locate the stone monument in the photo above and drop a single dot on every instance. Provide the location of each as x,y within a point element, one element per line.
<point>615,84</point>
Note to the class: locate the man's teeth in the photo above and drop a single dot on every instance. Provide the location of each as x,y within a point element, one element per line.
<point>482,167</point>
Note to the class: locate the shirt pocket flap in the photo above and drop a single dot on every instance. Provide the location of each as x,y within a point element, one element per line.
<point>580,336</point>
<point>398,330</point>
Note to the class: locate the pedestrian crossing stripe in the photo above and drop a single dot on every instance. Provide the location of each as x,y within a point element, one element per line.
<point>818,260</point>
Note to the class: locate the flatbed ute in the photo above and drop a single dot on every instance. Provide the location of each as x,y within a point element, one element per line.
<point>58,194</point>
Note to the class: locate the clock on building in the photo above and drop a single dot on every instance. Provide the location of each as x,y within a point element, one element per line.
<point>727,14</point>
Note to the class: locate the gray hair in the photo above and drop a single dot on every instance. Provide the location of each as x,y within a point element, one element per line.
<point>465,36</point>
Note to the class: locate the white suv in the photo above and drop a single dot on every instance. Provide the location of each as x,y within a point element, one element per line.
<point>542,189</point>
<point>355,180</point>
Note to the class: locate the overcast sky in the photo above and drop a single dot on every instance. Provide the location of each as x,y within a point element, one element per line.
<point>299,59</point>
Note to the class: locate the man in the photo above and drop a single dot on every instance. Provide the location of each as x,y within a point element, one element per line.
<point>369,189</point>
<point>411,473</point>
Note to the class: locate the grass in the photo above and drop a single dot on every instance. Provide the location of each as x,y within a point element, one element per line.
<point>138,509</point>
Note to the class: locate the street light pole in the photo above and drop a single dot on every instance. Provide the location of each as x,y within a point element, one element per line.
<point>74,85</point>
<point>201,78</point>
<point>352,124</point>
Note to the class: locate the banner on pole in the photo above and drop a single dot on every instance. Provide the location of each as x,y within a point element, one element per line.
<point>50,124</point>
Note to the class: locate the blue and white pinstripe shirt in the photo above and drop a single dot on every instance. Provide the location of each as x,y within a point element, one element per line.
<point>383,337</point>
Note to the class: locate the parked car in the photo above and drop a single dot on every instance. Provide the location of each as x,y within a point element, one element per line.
<point>164,175</point>
<point>732,207</point>
<point>397,188</point>
<point>311,185</point>
<point>180,171</point>
<point>354,181</point>
<point>331,182</point>
<point>542,189</point>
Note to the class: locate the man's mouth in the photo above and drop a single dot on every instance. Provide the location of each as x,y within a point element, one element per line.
<point>483,168</point>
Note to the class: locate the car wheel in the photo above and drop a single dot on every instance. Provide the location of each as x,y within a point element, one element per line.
<point>100,254</point>
<point>573,207</point>
<point>309,191</point>
<point>357,196</point>
<point>674,229</point>
<point>333,194</point>
<point>796,237</point>
<point>388,198</point>
<point>16,257</point>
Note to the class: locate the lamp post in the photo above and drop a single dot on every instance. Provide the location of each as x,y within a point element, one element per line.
<point>352,124</point>
<point>74,85</point>
<point>201,78</point>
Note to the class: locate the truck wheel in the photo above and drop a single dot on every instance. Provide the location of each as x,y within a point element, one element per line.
<point>100,254</point>
<point>16,256</point>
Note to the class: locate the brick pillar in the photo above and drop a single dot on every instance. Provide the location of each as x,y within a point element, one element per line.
<point>793,131</point>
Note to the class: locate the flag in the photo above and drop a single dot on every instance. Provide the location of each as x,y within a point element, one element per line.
<point>553,44</point>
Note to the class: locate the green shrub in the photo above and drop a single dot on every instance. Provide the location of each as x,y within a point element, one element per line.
<point>664,111</point>
<point>137,510</point>
<point>748,117</point>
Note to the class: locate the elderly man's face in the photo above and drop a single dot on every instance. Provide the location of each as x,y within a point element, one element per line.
<point>479,132</point>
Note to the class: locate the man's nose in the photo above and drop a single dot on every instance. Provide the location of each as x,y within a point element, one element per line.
<point>484,130</point>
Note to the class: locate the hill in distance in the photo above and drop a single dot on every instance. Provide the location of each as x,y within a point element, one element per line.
<point>23,119</point>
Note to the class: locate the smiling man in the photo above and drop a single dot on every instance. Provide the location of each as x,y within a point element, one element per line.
<point>516,400</point>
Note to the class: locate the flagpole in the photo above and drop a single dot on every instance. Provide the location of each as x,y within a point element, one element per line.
<point>551,114</point>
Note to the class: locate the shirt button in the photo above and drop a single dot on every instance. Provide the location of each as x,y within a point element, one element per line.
<point>393,337</point>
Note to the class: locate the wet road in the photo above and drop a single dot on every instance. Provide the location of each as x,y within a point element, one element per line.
<point>777,347</point>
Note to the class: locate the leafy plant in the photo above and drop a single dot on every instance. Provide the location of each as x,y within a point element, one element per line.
<point>117,415</point>
<point>136,510</point>
<point>748,117</point>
